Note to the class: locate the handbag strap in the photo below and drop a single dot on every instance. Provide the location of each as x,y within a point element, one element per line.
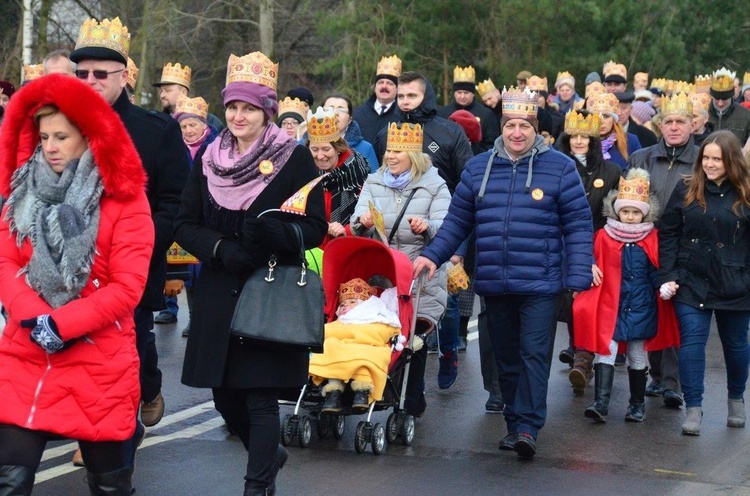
<point>300,240</point>
<point>400,216</point>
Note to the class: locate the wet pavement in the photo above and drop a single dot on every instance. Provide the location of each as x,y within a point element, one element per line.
<point>455,447</point>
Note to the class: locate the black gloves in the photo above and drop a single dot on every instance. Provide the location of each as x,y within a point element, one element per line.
<point>234,257</point>
<point>44,333</point>
<point>270,233</point>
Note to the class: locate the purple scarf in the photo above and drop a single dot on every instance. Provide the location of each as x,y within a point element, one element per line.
<point>607,143</point>
<point>628,233</point>
<point>195,145</point>
<point>235,181</point>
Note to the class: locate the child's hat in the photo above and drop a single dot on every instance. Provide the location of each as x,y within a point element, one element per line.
<point>633,191</point>
<point>356,289</point>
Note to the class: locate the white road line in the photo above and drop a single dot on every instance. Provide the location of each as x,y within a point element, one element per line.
<point>165,422</point>
<point>188,432</point>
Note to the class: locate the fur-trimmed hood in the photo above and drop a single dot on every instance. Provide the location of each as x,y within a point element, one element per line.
<point>114,153</point>
<point>608,207</point>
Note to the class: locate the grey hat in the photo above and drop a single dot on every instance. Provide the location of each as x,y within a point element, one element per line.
<point>593,77</point>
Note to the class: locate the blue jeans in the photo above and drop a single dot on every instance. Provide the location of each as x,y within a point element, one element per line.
<point>519,328</point>
<point>172,307</point>
<point>449,325</point>
<point>695,325</point>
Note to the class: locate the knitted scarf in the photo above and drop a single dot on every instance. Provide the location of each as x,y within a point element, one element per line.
<point>628,233</point>
<point>343,183</point>
<point>607,143</point>
<point>397,182</point>
<point>59,214</point>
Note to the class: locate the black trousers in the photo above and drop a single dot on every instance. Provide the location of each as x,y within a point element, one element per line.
<point>145,341</point>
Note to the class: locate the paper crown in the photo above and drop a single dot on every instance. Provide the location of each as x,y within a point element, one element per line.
<point>536,83</point>
<point>32,72</point>
<point>703,83</point>
<point>292,105</point>
<point>641,77</point>
<point>485,87</point>
<point>565,78</point>
<point>175,74</point>
<point>746,79</point>
<point>677,104</point>
<point>700,100</point>
<point>196,106</point>
<point>132,73</point>
<point>356,289</point>
<point>594,89</point>
<point>635,189</point>
<point>107,34</point>
<point>464,75</point>
<point>612,68</point>
<point>389,66</point>
<point>519,104</point>
<point>603,103</point>
<point>723,80</point>
<point>578,124</point>
<point>407,138</point>
<point>659,83</point>
<point>674,87</point>
<point>252,68</point>
<point>322,126</point>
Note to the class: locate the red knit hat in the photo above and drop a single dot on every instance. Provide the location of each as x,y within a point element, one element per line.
<point>471,126</point>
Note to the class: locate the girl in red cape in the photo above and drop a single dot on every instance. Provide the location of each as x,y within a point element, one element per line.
<point>622,309</point>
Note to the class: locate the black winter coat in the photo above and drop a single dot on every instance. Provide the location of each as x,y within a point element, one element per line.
<point>158,139</point>
<point>644,135</point>
<point>707,253</point>
<point>598,179</point>
<point>371,122</point>
<point>212,358</point>
<point>487,121</point>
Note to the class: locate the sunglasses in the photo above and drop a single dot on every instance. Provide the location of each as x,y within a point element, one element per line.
<point>98,74</point>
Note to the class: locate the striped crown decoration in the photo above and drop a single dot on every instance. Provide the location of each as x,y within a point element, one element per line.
<point>407,138</point>
<point>519,104</point>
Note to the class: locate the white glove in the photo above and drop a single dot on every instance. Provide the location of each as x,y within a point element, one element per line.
<point>666,291</point>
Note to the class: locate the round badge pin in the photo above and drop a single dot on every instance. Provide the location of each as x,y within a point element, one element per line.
<point>537,194</point>
<point>598,183</point>
<point>266,167</point>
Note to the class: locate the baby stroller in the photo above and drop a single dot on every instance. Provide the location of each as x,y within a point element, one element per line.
<point>344,259</point>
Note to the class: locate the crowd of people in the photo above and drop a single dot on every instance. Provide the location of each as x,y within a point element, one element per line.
<point>624,213</point>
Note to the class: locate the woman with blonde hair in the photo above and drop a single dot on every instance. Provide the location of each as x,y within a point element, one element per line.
<point>617,145</point>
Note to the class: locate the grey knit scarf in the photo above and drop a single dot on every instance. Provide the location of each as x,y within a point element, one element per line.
<point>59,214</point>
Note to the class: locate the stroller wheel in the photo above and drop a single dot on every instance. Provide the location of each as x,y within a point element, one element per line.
<point>287,430</point>
<point>391,428</point>
<point>360,437</point>
<point>323,425</point>
<point>407,430</point>
<point>378,439</point>
<point>337,422</point>
<point>304,431</point>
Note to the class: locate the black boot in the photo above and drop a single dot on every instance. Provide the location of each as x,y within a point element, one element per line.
<point>332,403</point>
<point>16,480</point>
<point>637,408</point>
<point>361,401</point>
<point>278,463</point>
<point>603,377</point>
<point>115,483</point>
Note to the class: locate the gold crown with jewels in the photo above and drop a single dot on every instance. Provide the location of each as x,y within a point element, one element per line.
<point>612,68</point>
<point>407,138</point>
<point>536,83</point>
<point>196,106</point>
<point>32,72</point>
<point>603,103</point>
<point>252,68</point>
<point>519,104</point>
<point>594,89</point>
<point>356,289</point>
<point>322,126</point>
<point>107,34</point>
<point>578,124</point>
<point>485,87</point>
<point>293,105</point>
<point>132,73</point>
<point>464,75</point>
<point>176,74</point>
<point>702,100</point>
<point>635,189</point>
<point>677,104</point>
<point>389,66</point>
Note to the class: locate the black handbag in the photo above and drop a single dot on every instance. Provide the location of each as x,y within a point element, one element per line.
<point>282,305</point>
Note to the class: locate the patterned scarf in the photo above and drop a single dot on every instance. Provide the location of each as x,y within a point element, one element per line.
<point>628,233</point>
<point>608,143</point>
<point>344,184</point>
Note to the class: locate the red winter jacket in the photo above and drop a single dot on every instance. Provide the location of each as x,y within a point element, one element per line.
<point>89,391</point>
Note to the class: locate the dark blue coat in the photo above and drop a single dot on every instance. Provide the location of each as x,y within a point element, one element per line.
<point>531,211</point>
<point>616,156</point>
<point>636,314</point>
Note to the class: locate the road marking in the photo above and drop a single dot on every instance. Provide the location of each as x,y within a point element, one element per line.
<point>188,432</point>
<point>674,472</point>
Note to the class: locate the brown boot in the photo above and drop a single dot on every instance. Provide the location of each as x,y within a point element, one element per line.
<point>582,372</point>
<point>78,459</point>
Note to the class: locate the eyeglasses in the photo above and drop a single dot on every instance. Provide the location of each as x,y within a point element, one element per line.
<point>291,123</point>
<point>98,74</point>
<point>338,110</point>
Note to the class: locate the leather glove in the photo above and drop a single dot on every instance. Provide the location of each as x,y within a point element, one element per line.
<point>233,257</point>
<point>44,333</point>
<point>271,233</point>
<point>173,287</point>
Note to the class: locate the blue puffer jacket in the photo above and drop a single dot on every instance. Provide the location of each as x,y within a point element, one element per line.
<point>636,316</point>
<point>526,213</point>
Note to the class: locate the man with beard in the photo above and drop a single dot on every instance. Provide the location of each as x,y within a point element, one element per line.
<point>380,109</point>
<point>175,81</point>
<point>464,79</point>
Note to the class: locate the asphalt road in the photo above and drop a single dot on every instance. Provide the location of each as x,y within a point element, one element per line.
<point>455,447</point>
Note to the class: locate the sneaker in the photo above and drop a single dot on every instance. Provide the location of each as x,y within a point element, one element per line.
<point>508,442</point>
<point>495,405</point>
<point>151,413</point>
<point>448,372</point>
<point>655,389</point>
<point>165,317</point>
<point>462,344</point>
<point>431,341</point>
<point>525,445</point>
<point>673,399</point>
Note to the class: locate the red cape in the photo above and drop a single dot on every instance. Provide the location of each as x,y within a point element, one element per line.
<point>595,310</point>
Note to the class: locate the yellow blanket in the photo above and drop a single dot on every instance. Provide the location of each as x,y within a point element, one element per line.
<point>357,352</point>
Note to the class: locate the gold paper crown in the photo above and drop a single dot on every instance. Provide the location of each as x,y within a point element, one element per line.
<point>485,87</point>
<point>746,79</point>
<point>674,87</point>
<point>186,105</point>
<point>659,83</point>
<point>356,289</point>
<point>132,73</point>
<point>464,75</point>
<point>322,126</point>
<point>603,103</point>
<point>641,76</point>
<point>635,189</point>
<point>293,105</point>
<point>678,104</point>
<point>107,34</point>
<point>703,83</point>
<point>176,74</point>
<point>32,72</point>
<point>252,68</point>
<point>594,89</point>
<point>389,66</point>
<point>536,83</point>
<point>700,100</point>
<point>407,138</point>
<point>519,104</point>
<point>723,80</point>
<point>578,124</point>
<point>565,78</point>
<point>612,68</point>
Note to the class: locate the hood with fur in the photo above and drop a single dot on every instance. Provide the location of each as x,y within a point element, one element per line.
<point>608,207</point>
<point>114,153</point>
